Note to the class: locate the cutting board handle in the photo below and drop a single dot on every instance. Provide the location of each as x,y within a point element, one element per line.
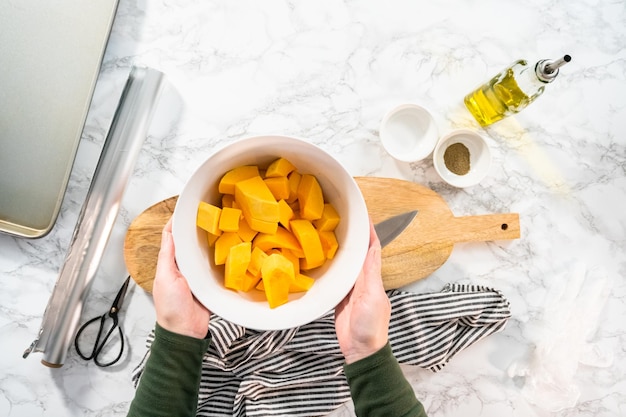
<point>485,227</point>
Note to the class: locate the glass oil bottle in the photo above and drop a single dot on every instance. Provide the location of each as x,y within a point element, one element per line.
<point>512,89</point>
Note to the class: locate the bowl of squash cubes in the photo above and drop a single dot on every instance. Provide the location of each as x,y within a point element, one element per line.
<point>271,232</point>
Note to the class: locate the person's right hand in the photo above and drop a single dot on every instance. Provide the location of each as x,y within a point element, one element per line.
<point>362,318</point>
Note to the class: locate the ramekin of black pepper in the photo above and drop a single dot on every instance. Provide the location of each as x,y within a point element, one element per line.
<point>462,158</point>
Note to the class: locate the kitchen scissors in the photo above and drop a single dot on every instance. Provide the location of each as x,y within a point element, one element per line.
<point>98,345</point>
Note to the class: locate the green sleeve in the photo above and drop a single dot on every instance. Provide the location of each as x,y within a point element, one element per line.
<point>171,378</point>
<point>379,388</point>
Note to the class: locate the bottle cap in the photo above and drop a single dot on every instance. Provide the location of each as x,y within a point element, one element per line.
<point>548,69</point>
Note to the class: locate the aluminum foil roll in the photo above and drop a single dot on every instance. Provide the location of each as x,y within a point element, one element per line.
<point>97,217</point>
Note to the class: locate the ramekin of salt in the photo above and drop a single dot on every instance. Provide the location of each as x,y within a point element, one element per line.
<point>408,133</point>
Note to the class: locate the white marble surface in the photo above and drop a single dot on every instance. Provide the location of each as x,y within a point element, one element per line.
<point>328,71</point>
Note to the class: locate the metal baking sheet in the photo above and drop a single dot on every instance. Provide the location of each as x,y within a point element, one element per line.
<point>51,54</point>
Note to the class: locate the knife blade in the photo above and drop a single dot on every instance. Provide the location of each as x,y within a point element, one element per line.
<point>390,228</point>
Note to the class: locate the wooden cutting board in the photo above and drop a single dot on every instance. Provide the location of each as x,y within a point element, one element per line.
<point>419,251</point>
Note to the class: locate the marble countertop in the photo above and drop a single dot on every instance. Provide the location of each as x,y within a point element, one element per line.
<point>328,71</point>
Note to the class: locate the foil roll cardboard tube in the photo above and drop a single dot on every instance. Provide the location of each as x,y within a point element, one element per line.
<point>97,217</point>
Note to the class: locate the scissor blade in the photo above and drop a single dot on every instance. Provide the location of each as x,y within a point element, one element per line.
<point>119,299</point>
<point>389,229</point>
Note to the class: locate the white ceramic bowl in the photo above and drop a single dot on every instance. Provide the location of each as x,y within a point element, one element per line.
<point>479,158</point>
<point>333,280</point>
<point>408,133</point>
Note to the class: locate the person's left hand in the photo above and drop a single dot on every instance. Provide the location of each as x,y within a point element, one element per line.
<point>177,310</point>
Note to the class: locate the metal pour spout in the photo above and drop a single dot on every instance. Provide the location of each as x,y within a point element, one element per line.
<point>548,69</point>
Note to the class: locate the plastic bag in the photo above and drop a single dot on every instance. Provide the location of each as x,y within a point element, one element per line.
<point>570,318</point>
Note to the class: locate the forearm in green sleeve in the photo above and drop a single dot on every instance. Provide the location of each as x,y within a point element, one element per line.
<point>171,378</point>
<point>379,388</point>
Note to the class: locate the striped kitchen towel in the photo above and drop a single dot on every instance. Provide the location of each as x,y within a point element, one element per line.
<point>299,372</point>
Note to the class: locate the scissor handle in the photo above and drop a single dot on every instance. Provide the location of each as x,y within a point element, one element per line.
<point>97,346</point>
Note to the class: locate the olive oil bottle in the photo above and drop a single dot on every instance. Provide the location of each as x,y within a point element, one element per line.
<point>512,89</point>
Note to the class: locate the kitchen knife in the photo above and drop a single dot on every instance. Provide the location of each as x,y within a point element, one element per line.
<point>389,229</point>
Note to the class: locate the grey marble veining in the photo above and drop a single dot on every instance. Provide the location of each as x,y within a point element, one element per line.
<point>329,71</point>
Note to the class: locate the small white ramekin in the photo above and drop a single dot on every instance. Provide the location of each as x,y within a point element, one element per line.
<point>408,133</point>
<point>479,155</point>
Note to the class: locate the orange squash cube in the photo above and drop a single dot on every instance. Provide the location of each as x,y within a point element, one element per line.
<point>261,226</point>
<point>279,187</point>
<point>301,283</point>
<point>237,265</point>
<point>329,243</point>
<point>294,182</point>
<point>229,220</point>
<point>310,197</point>
<point>249,281</point>
<point>208,218</point>
<point>277,274</point>
<point>256,262</point>
<point>232,177</point>
<point>223,245</point>
<point>329,220</point>
<point>256,200</point>
<point>310,241</point>
<point>245,232</point>
<point>293,258</point>
<point>281,167</point>
<point>285,214</point>
<point>281,239</point>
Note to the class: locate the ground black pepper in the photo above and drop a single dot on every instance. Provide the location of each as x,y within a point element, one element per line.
<point>457,158</point>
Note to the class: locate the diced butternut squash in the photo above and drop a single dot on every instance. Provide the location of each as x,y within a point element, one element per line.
<point>329,243</point>
<point>272,224</point>
<point>310,241</point>
<point>285,214</point>
<point>281,167</point>
<point>279,187</point>
<point>307,266</point>
<point>208,218</point>
<point>294,182</point>
<point>256,200</point>
<point>329,220</point>
<point>277,274</point>
<point>249,281</point>
<point>229,220</point>
<point>281,239</point>
<point>245,232</point>
<point>256,262</point>
<point>293,258</point>
<point>232,177</point>
<point>310,197</point>
<point>301,283</point>
<point>237,265</point>
<point>223,245</point>
<point>261,226</point>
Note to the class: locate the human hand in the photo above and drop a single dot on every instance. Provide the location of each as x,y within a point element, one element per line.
<point>177,310</point>
<point>362,318</point>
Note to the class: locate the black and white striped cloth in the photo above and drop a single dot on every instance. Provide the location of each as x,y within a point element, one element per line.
<point>299,372</point>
